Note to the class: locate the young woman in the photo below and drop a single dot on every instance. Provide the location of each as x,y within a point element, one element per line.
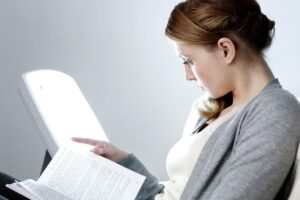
<point>246,137</point>
<point>245,131</point>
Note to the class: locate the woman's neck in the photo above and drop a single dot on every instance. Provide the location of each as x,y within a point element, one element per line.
<point>251,78</point>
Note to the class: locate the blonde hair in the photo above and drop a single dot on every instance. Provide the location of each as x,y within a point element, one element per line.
<point>211,108</point>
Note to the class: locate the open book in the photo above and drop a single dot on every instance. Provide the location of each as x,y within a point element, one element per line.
<point>74,174</point>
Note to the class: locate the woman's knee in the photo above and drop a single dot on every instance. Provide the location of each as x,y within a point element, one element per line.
<point>6,179</point>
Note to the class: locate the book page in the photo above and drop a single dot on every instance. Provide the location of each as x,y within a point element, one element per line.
<point>85,175</point>
<point>41,191</point>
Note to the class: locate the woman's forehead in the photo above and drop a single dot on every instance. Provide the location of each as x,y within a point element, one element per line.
<point>185,50</point>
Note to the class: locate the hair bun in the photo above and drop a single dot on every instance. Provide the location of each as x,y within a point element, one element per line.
<point>266,30</point>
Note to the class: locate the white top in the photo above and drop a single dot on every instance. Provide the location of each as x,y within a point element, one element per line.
<point>182,158</point>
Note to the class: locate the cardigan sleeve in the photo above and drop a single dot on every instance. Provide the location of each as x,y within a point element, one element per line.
<point>264,151</point>
<point>151,186</point>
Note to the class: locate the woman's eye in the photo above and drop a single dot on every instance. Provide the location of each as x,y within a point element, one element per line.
<point>188,62</point>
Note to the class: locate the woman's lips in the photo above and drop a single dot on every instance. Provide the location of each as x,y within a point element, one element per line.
<point>197,84</point>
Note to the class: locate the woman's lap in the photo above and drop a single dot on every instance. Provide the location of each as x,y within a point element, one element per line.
<point>3,198</point>
<point>6,193</point>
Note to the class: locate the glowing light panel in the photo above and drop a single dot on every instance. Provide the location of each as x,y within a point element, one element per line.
<point>59,108</point>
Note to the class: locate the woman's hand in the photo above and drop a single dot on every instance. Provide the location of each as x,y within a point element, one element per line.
<point>104,149</point>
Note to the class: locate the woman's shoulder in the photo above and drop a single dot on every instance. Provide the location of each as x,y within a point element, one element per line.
<point>273,97</point>
<point>273,109</point>
<point>278,96</point>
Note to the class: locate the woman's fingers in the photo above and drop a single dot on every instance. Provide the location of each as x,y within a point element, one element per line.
<point>103,148</point>
<point>98,150</point>
<point>100,147</point>
<point>86,141</point>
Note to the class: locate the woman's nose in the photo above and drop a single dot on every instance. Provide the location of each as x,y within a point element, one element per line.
<point>189,75</point>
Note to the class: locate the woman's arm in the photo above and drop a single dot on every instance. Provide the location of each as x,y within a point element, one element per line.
<point>151,186</point>
<point>264,152</point>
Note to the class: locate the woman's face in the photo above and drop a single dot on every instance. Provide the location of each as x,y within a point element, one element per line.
<point>206,66</point>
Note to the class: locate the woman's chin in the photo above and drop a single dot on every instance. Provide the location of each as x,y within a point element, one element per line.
<point>211,95</point>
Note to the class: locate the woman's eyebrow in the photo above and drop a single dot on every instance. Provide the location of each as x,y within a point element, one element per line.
<point>183,56</point>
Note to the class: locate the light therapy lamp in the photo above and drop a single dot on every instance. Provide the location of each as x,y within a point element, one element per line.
<point>59,108</point>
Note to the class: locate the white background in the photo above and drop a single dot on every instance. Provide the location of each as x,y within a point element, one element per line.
<point>127,69</point>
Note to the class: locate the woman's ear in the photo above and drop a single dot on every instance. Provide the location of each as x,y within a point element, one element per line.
<point>227,49</point>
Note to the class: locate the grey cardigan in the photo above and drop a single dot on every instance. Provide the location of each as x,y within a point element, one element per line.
<point>248,157</point>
